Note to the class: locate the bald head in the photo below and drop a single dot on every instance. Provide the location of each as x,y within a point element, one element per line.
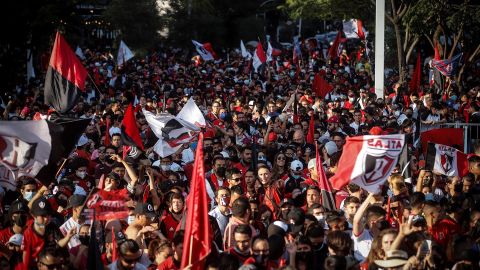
<point>298,136</point>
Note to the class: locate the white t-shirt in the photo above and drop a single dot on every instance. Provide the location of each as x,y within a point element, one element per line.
<point>222,220</point>
<point>362,245</point>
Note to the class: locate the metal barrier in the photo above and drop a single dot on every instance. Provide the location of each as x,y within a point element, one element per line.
<point>471,133</point>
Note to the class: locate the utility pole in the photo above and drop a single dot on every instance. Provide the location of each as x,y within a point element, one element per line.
<point>379,47</point>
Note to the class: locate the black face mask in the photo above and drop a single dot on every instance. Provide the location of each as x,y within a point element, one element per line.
<point>303,256</point>
<point>382,225</point>
<point>220,171</point>
<point>20,220</point>
<point>84,239</point>
<point>261,259</point>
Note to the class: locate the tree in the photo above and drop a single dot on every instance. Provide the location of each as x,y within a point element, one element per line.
<point>454,25</point>
<point>139,22</point>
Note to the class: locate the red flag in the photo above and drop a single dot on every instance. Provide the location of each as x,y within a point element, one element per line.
<point>209,48</point>
<point>333,52</point>
<point>321,86</point>
<point>311,130</point>
<point>437,53</point>
<point>114,246</point>
<point>445,136</point>
<point>417,76</point>
<point>328,201</point>
<point>197,243</point>
<point>106,142</point>
<point>259,57</point>
<point>130,133</point>
<point>65,79</point>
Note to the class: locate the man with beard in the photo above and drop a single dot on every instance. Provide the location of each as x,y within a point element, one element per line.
<point>222,212</point>
<point>171,219</point>
<point>298,139</point>
<point>41,234</point>
<point>316,235</point>
<point>216,177</point>
<point>76,204</point>
<point>245,161</point>
<point>129,256</point>
<point>333,125</point>
<point>243,237</point>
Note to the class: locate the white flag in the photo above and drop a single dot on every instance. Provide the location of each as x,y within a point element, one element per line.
<point>245,53</point>
<point>204,53</point>
<point>172,132</point>
<point>30,69</point>
<point>269,52</point>
<point>79,53</point>
<point>124,54</point>
<point>353,28</point>
<point>192,114</point>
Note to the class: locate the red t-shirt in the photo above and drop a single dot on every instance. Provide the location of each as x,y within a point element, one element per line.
<point>5,235</point>
<point>443,231</point>
<point>169,225</point>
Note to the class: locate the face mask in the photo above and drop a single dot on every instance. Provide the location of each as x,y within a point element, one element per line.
<point>351,99</point>
<point>20,220</point>
<point>302,256</point>
<point>317,247</point>
<point>81,175</point>
<point>130,219</point>
<point>396,113</point>
<point>454,98</point>
<point>221,171</point>
<point>294,176</point>
<point>165,167</point>
<point>320,218</point>
<point>62,203</point>
<point>261,259</point>
<point>311,78</point>
<point>409,115</point>
<point>382,225</point>
<point>40,225</point>
<point>84,239</point>
<point>28,195</point>
<point>262,159</point>
<point>223,115</point>
<point>292,74</point>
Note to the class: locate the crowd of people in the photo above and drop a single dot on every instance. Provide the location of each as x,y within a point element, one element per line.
<point>266,209</point>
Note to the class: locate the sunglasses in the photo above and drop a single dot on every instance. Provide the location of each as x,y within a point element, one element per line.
<point>280,158</point>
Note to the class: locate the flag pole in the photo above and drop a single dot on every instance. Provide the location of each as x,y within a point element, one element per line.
<point>191,251</point>
<point>93,82</point>
<point>61,167</point>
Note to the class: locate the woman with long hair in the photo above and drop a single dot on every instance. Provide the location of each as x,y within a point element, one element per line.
<point>380,245</point>
<point>279,168</point>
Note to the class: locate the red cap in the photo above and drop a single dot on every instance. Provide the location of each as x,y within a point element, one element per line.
<point>333,119</point>
<point>376,131</point>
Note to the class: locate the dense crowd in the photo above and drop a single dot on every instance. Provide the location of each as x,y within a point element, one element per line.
<point>265,203</point>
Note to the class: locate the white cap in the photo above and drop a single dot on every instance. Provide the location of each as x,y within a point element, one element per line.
<point>175,167</point>
<point>331,148</point>
<point>225,154</point>
<point>16,239</point>
<point>311,163</point>
<point>79,190</point>
<point>281,224</point>
<point>82,141</point>
<point>296,165</point>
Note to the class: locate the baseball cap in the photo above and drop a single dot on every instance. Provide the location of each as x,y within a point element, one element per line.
<point>76,200</point>
<point>296,166</point>
<point>18,206</point>
<point>16,239</point>
<point>277,228</point>
<point>331,148</point>
<point>297,220</point>
<point>41,207</point>
<point>82,141</point>
<point>333,119</point>
<point>145,209</point>
<point>286,201</point>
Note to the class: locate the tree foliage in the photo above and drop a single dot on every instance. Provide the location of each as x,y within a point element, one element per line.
<point>139,21</point>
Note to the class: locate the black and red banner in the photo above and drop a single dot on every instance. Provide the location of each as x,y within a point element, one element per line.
<point>65,79</point>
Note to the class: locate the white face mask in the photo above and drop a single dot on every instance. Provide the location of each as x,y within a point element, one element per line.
<point>28,195</point>
<point>81,175</point>
<point>130,219</point>
<point>165,167</point>
<point>320,218</point>
<point>351,99</point>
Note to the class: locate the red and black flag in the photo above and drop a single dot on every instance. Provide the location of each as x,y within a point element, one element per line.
<point>130,132</point>
<point>65,78</point>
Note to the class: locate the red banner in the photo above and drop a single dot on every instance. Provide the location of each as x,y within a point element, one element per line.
<point>107,205</point>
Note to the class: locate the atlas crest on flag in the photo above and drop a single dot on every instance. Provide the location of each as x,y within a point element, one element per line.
<point>15,153</point>
<point>368,161</point>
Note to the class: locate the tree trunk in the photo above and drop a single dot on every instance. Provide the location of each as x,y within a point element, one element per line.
<point>402,66</point>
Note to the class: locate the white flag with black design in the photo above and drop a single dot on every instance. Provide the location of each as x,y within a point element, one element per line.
<point>172,132</point>
<point>446,160</point>
<point>192,114</point>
